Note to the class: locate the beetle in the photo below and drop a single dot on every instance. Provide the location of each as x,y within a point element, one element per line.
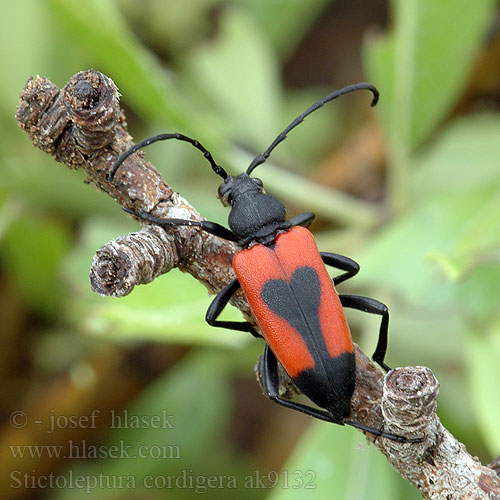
<point>288,288</point>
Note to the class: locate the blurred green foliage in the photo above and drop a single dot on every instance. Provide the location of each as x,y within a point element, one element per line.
<point>434,262</point>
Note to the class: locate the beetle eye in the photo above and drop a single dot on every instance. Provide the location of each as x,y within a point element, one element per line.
<point>224,193</point>
<point>258,182</point>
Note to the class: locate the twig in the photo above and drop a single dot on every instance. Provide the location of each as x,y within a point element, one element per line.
<point>82,126</point>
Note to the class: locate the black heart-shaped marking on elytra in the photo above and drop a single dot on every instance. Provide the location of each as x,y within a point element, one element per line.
<point>297,301</point>
<point>330,383</point>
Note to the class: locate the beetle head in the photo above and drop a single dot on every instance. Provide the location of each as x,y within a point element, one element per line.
<point>255,216</point>
<point>233,188</point>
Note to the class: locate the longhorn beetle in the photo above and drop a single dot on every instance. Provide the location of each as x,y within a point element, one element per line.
<point>285,281</point>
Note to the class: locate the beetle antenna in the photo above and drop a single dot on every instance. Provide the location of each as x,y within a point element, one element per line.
<point>163,137</point>
<point>258,160</point>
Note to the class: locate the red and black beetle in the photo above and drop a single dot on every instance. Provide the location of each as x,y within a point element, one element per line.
<point>291,295</point>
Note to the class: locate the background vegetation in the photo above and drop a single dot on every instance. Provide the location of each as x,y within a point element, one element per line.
<point>411,190</point>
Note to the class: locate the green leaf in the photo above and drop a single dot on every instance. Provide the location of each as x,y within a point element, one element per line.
<point>285,22</point>
<point>422,65</point>
<point>25,49</point>
<point>42,182</point>
<point>170,26</point>
<point>478,294</point>
<point>463,158</point>
<point>464,161</point>
<point>483,354</point>
<point>238,72</point>
<point>478,242</point>
<point>421,68</point>
<point>401,254</point>
<point>335,462</point>
<point>33,249</point>
<point>453,218</point>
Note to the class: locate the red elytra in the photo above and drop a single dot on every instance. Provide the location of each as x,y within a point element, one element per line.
<point>257,265</point>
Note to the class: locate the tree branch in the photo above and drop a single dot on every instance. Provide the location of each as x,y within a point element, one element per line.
<point>82,126</point>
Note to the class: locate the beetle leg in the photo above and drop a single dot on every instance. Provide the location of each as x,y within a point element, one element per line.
<point>218,304</point>
<point>340,262</point>
<point>270,381</point>
<point>304,219</point>
<point>210,227</point>
<point>372,306</point>
<point>381,433</point>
